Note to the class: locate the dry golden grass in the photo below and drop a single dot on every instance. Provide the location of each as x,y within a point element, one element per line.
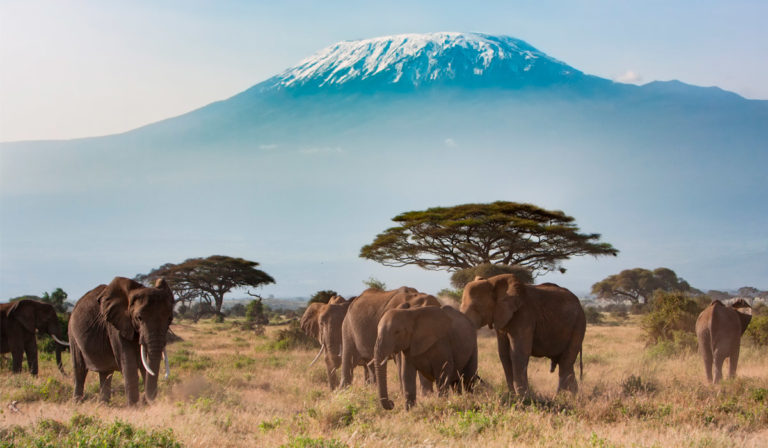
<point>229,388</point>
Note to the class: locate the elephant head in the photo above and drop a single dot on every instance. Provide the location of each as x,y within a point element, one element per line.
<point>141,315</point>
<point>493,301</point>
<point>744,311</point>
<point>33,315</point>
<point>406,329</point>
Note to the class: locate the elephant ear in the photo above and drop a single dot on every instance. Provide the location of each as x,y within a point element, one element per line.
<point>114,306</point>
<point>309,321</point>
<point>23,311</point>
<point>510,294</point>
<point>429,328</point>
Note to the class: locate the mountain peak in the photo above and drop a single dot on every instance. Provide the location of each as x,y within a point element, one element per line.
<point>413,60</point>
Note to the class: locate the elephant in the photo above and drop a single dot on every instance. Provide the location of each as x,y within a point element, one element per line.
<point>439,343</point>
<point>359,329</point>
<point>718,331</point>
<point>121,326</point>
<point>18,322</point>
<point>530,320</point>
<point>322,321</point>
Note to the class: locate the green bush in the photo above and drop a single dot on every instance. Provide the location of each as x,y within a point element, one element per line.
<point>293,337</point>
<point>594,316</point>
<point>308,442</point>
<point>459,279</point>
<point>669,312</point>
<point>453,294</point>
<point>86,432</point>
<point>757,331</point>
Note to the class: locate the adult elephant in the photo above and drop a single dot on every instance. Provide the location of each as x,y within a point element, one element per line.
<point>121,326</point>
<point>322,321</point>
<point>18,323</point>
<point>530,320</point>
<point>718,330</point>
<point>359,329</point>
<point>439,343</point>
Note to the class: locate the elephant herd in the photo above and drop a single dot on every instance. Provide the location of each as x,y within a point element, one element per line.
<point>438,344</point>
<point>123,326</point>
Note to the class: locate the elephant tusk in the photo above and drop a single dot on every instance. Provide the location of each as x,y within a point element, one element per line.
<point>167,366</point>
<point>144,361</point>
<point>370,363</point>
<point>66,344</point>
<point>322,347</point>
<point>384,362</point>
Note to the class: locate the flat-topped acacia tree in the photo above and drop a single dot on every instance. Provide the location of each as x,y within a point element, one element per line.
<point>464,236</point>
<point>208,279</point>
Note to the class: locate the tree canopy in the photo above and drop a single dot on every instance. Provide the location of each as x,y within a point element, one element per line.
<point>57,299</point>
<point>464,236</point>
<point>637,285</point>
<point>208,279</point>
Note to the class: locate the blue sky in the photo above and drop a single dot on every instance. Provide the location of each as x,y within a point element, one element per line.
<point>85,68</point>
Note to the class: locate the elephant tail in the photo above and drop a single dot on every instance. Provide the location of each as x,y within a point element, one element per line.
<point>581,366</point>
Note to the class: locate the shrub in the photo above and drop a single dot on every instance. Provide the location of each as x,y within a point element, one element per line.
<point>594,316</point>
<point>84,431</point>
<point>757,331</point>
<point>307,442</point>
<point>255,312</point>
<point>453,294</point>
<point>635,384</point>
<point>322,296</point>
<point>459,279</point>
<point>292,338</point>
<point>374,283</point>
<point>669,312</point>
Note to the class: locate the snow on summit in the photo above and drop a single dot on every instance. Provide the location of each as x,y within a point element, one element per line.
<point>434,58</point>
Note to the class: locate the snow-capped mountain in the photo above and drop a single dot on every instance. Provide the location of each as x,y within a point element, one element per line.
<point>413,60</point>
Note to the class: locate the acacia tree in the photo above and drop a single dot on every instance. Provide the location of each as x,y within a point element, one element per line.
<point>464,236</point>
<point>208,279</point>
<point>637,285</point>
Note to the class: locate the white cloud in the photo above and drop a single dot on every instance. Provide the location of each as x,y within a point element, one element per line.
<point>449,142</point>
<point>629,77</point>
<point>321,150</point>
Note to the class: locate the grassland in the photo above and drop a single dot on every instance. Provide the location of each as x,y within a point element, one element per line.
<point>231,388</point>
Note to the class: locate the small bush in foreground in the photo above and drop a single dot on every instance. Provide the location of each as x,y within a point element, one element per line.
<point>86,432</point>
<point>593,315</point>
<point>308,442</point>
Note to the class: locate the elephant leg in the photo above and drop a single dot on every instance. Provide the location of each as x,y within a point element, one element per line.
<point>79,370</point>
<point>521,353</point>
<point>469,373</point>
<point>505,351</point>
<point>409,383</point>
<point>347,364</point>
<point>17,357</point>
<point>425,385</point>
<point>105,386</point>
<point>733,361</point>
<point>705,350</point>
<point>719,356</point>
<point>30,349</point>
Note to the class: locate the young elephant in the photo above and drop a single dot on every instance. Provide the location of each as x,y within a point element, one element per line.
<point>718,330</point>
<point>439,343</point>
<point>322,321</point>
<point>18,322</point>
<point>121,326</point>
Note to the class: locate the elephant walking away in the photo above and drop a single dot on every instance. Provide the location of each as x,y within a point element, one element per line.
<point>718,331</point>
<point>530,320</point>
<point>439,343</point>
<point>359,329</point>
<point>322,321</point>
<point>121,326</point>
<point>18,322</point>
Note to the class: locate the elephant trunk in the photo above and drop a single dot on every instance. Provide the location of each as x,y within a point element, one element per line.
<point>152,355</point>
<point>380,357</point>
